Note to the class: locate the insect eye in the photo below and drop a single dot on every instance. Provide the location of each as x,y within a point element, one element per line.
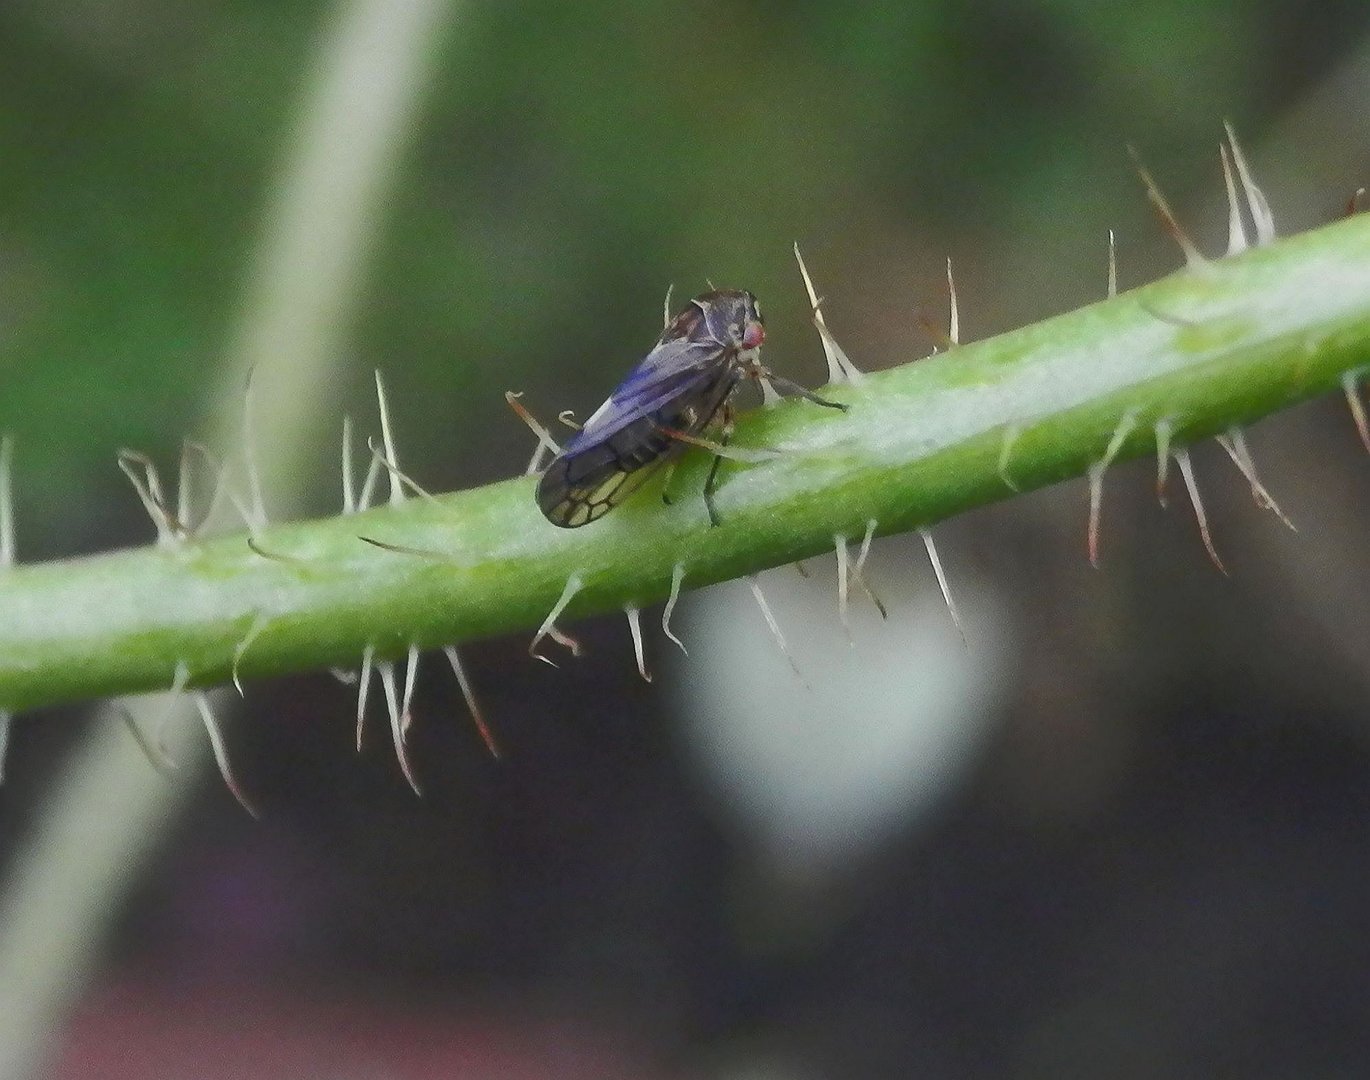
<point>753,335</point>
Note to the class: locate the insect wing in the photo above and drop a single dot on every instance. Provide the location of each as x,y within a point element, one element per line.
<point>679,384</point>
<point>671,369</point>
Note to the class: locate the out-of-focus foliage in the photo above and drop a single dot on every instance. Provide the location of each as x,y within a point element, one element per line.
<point>1152,853</point>
<point>574,160</point>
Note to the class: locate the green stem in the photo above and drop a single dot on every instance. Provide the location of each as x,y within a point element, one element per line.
<point>1203,350</point>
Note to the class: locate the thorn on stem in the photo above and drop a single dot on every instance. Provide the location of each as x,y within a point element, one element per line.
<point>392,705</point>
<point>392,458</point>
<point>859,569</point>
<point>677,579</point>
<point>363,690</point>
<point>6,501</point>
<point>255,512</point>
<point>349,493</point>
<point>1012,432</point>
<point>840,543</point>
<point>546,444</point>
<point>1350,383</point>
<point>477,716</point>
<point>6,728</point>
<point>1112,265</point>
<point>216,742</point>
<point>1187,471</point>
<point>1236,230</point>
<point>840,367</point>
<point>954,322</point>
<point>1164,429</point>
<point>942,583</point>
<point>1192,256</point>
<point>769,616</point>
<point>259,623</point>
<point>635,629</point>
<point>1126,425</point>
<point>549,628</point>
<point>155,758</point>
<point>1261,216</point>
<point>1234,442</point>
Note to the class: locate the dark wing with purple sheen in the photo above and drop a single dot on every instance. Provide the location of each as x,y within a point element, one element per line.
<point>672,368</point>
<point>679,385</point>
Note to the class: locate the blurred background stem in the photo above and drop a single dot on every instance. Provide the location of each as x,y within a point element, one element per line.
<point>106,815</point>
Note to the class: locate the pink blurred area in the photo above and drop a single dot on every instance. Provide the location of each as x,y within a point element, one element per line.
<point>135,1029</point>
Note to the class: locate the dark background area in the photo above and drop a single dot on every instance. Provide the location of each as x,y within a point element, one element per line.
<point>1132,836</point>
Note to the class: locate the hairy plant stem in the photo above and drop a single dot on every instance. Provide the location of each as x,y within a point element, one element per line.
<point>1210,347</point>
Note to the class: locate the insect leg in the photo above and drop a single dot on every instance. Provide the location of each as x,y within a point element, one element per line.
<point>711,482</point>
<point>666,482</point>
<point>789,387</point>
<point>719,447</point>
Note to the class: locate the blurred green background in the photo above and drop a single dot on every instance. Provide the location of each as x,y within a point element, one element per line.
<point>1150,863</point>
